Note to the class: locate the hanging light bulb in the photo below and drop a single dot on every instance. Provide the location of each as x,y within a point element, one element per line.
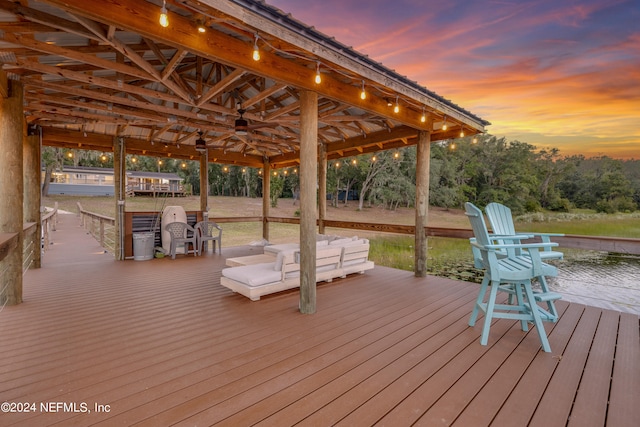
<point>256,51</point>
<point>444,125</point>
<point>201,25</point>
<point>461,132</point>
<point>475,140</point>
<point>423,118</point>
<point>318,77</point>
<point>363,94</point>
<point>396,108</point>
<point>164,19</point>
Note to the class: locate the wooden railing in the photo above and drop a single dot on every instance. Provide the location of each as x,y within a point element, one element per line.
<point>103,230</point>
<point>49,222</point>
<point>29,245</point>
<point>593,243</point>
<point>8,243</point>
<point>101,227</point>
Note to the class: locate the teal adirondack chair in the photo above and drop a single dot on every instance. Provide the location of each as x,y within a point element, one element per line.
<point>502,224</point>
<point>510,266</point>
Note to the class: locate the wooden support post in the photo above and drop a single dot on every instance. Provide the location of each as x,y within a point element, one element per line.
<point>32,193</point>
<point>322,188</point>
<point>266,197</point>
<point>308,197</point>
<point>119,182</point>
<point>204,185</point>
<point>422,201</point>
<point>12,190</point>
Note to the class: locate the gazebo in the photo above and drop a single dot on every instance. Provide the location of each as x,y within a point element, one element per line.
<point>234,82</point>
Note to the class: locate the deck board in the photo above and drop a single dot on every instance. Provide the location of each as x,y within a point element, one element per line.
<point>162,342</point>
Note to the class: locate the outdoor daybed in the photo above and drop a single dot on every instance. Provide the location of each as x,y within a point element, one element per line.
<point>333,259</point>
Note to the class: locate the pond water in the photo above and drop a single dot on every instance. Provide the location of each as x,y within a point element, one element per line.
<point>599,279</point>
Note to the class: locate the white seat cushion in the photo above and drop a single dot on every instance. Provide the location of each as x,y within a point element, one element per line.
<point>253,275</point>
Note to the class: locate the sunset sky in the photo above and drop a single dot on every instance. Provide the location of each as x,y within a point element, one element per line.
<point>553,73</point>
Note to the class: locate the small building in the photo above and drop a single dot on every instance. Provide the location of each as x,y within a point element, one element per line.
<point>94,181</point>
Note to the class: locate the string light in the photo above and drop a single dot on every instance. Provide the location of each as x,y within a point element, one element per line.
<point>134,160</point>
<point>474,140</point>
<point>453,146</point>
<point>354,162</point>
<point>164,19</point>
<point>444,125</point>
<point>423,118</point>
<point>103,157</point>
<point>201,25</point>
<point>373,159</point>
<point>318,77</point>
<point>363,94</point>
<point>396,109</point>
<point>256,51</point>
<point>461,132</point>
<point>70,155</point>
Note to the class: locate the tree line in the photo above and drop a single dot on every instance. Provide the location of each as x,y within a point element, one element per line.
<point>489,170</point>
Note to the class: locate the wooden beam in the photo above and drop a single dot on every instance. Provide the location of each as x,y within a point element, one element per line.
<point>141,17</point>
<point>266,197</point>
<point>308,197</point>
<point>220,86</point>
<point>422,203</point>
<point>322,188</point>
<point>337,56</point>
<point>72,139</point>
<point>262,95</point>
<point>4,84</point>
<point>85,58</point>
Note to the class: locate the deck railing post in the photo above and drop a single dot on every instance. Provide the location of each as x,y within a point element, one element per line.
<point>102,232</point>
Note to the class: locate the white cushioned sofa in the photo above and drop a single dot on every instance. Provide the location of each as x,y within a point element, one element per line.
<point>334,258</point>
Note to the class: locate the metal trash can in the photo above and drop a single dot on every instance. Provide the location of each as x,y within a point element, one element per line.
<point>143,246</point>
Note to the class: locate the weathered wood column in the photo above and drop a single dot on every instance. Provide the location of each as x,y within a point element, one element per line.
<point>32,191</point>
<point>119,183</point>
<point>322,188</point>
<point>204,185</point>
<point>308,197</point>
<point>422,201</point>
<point>11,188</point>
<point>266,197</point>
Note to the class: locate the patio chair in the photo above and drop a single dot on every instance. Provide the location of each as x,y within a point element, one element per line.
<point>501,222</point>
<point>182,234</point>
<point>208,231</point>
<point>511,273</point>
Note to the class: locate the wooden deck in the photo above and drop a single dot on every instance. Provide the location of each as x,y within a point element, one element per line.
<point>160,342</point>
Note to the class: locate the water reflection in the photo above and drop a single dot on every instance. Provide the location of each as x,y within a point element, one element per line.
<point>600,279</point>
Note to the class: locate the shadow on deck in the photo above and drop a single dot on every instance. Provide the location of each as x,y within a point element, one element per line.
<point>161,342</point>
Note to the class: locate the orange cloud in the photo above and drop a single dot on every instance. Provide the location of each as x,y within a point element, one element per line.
<point>547,73</point>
